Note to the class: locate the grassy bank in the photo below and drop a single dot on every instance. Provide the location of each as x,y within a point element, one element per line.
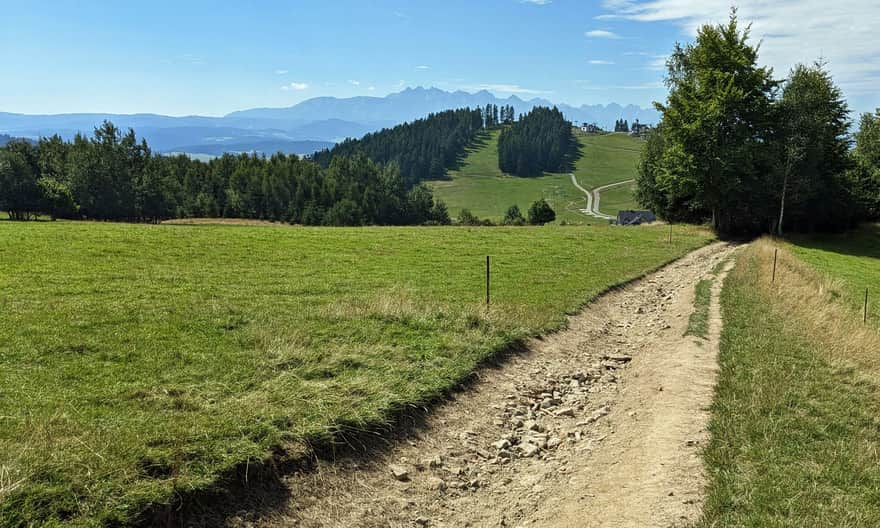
<point>480,186</point>
<point>852,261</point>
<point>795,429</point>
<point>141,362</point>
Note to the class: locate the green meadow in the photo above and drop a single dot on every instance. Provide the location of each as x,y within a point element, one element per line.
<point>139,363</point>
<point>852,260</point>
<point>480,186</point>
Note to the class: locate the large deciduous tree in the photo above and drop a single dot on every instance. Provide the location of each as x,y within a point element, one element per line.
<point>716,125</point>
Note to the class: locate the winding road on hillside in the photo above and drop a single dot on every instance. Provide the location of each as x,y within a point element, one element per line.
<point>594,197</point>
<point>601,423</point>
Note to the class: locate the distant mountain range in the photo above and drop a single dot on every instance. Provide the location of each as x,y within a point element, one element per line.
<point>311,125</point>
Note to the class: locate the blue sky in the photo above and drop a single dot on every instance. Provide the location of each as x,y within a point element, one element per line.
<point>210,58</point>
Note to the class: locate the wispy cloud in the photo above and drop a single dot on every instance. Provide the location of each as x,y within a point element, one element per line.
<point>535,2</point>
<point>422,67</point>
<point>507,88</point>
<point>600,62</point>
<point>588,85</point>
<point>353,82</point>
<point>295,86</point>
<point>790,31</point>
<point>601,33</point>
<point>280,72</point>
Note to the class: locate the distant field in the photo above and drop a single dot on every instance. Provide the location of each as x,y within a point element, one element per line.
<point>853,259</point>
<point>138,363</point>
<point>481,187</point>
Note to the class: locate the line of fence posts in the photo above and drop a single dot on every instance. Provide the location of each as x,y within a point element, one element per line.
<point>773,279</point>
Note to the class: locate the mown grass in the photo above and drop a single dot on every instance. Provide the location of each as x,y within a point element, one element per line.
<point>139,363</point>
<point>853,260</point>
<point>480,186</point>
<point>618,198</point>
<point>795,428</point>
<point>698,323</point>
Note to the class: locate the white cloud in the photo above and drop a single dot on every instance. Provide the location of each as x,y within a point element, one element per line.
<point>423,67</point>
<point>295,86</point>
<point>372,88</point>
<point>843,33</point>
<point>611,87</point>
<point>507,88</point>
<point>600,62</point>
<point>536,2</point>
<point>280,72</point>
<point>354,83</point>
<point>601,33</point>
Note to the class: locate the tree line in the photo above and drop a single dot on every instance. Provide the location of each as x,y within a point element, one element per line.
<point>541,141</point>
<point>750,153</point>
<point>112,176</point>
<point>621,125</point>
<point>422,150</point>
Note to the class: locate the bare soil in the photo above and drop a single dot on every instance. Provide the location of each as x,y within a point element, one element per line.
<point>601,424</point>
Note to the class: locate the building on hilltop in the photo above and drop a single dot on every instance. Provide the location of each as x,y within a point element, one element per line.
<point>590,128</point>
<point>639,129</point>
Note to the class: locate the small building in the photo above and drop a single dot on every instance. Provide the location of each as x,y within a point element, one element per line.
<point>639,129</point>
<point>590,128</point>
<point>626,218</point>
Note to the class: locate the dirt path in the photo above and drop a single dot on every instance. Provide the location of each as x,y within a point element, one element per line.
<point>594,198</point>
<point>597,194</point>
<point>598,425</point>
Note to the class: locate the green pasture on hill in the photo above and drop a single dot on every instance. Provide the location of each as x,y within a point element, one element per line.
<point>479,185</point>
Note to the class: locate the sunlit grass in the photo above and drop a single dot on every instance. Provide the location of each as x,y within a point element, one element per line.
<point>138,363</point>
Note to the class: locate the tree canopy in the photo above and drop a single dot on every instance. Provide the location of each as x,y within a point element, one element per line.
<point>112,176</point>
<point>541,141</point>
<point>422,150</point>
<point>743,150</point>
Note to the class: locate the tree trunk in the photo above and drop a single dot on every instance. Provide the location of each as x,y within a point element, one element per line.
<point>782,204</point>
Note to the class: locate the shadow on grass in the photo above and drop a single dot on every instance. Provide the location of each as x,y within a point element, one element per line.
<point>256,489</point>
<point>861,242</point>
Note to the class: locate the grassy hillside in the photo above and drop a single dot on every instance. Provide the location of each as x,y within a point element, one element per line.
<point>796,418</point>
<point>853,261</point>
<point>138,363</point>
<point>481,187</point>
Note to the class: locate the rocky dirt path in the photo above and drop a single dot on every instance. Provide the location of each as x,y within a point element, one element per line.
<point>598,425</point>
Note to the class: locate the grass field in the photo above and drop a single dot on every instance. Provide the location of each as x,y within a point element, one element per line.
<point>617,198</point>
<point>481,187</point>
<point>853,260</point>
<point>796,418</point>
<point>139,363</point>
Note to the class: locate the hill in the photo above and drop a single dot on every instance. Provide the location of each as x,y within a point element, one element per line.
<point>480,186</point>
<point>325,119</point>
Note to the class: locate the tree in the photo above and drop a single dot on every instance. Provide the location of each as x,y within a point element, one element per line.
<point>813,147</point>
<point>20,193</point>
<point>541,213</point>
<point>467,218</point>
<point>717,126</point>
<point>864,174</point>
<point>440,214</point>
<point>541,141</point>
<point>513,216</point>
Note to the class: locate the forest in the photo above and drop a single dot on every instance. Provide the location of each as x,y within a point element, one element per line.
<point>754,154</point>
<point>112,176</point>
<point>423,149</point>
<point>541,141</point>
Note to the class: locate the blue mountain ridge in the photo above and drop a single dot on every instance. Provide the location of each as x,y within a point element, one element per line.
<point>302,128</point>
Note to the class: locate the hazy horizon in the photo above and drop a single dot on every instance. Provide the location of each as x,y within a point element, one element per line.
<point>199,59</point>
